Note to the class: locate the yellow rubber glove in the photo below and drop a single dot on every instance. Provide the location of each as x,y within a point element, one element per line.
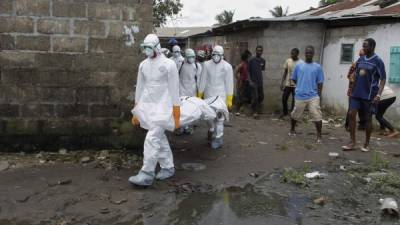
<point>135,121</point>
<point>200,95</point>
<point>176,111</point>
<point>229,101</point>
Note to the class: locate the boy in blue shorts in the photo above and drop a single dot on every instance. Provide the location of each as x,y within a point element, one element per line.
<point>368,86</point>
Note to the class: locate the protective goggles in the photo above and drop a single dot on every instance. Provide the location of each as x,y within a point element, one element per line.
<point>145,46</point>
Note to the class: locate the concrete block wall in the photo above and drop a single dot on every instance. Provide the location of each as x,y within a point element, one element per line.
<point>65,69</point>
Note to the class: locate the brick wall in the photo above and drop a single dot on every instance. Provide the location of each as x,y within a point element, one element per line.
<point>65,70</point>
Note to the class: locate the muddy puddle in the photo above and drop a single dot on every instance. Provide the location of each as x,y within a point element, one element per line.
<point>236,205</point>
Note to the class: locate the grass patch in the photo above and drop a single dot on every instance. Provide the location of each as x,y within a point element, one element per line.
<point>378,163</point>
<point>388,184</point>
<point>295,177</point>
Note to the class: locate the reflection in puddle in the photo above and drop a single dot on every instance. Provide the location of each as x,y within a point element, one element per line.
<point>236,205</point>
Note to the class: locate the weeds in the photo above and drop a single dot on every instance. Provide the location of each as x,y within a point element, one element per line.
<point>387,184</point>
<point>295,176</point>
<point>378,163</point>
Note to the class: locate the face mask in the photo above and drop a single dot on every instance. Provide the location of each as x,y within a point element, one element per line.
<point>177,54</point>
<point>149,52</point>
<point>216,58</point>
<point>190,60</point>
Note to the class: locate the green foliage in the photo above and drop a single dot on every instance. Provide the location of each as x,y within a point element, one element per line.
<point>279,12</point>
<point>327,2</point>
<point>225,17</point>
<point>388,184</point>
<point>296,177</point>
<point>164,9</point>
<point>378,163</point>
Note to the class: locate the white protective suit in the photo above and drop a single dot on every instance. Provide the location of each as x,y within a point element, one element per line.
<point>194,109</point>
<point>217,81</point>
<point>157,91</point>
<point>189,76</point>
<point>177,56</point>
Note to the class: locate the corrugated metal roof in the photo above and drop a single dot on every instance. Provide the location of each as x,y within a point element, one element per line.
<point>181,32</point>
<point>345,5</point>
<point>391,10</point>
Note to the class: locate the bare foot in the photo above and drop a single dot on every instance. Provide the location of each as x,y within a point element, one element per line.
<point>393,134</point>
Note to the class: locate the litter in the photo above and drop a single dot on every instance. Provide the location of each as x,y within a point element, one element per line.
<point>343,168</point>
<point>193,166</point>
<point>320,201</point>
<point>315,175</point>
<point>262,143</point>
<point>389,206</point>
<point>333,154</point>
<point>354,162</point>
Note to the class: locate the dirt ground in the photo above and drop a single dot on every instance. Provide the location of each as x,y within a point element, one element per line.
<point>257,178</point>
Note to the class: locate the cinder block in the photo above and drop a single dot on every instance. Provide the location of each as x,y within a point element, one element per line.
<point>93,62</point>
<point>17,60</point>
<point>128,13</point>
<point>93,95</point>
<point>90,28</point>
<point>37,110</point>
<point>52,26</point>
<point>35,43</point>
<point>131,3</point>
<point>88,1</point>
<point>20,76</point>
<point>100,45</point>
<point>68,9</point>
<point>90,127</point>
<point>54,60</point>
<point>67,44</point>
<point>105,111</point>
<point>116,29</point>
<point>57,95</point>
<point>9,110</point>
<point>72,110</point>
<point>22,127</point>
<point>104,11</point>
<point>6,42</point>
<point>6,7</point>
<point>60,77</point>
<point>58,127</point>
<point>16,24</point>
<point>32,7</point>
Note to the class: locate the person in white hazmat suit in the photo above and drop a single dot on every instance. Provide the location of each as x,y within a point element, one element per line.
<point>157,109</point>
<point>188,77</point>
<point>177,56</point>
<point>217,82</point>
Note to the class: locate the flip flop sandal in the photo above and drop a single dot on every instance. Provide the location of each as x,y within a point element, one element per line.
<point>365,149</point>
<point>348,148</point>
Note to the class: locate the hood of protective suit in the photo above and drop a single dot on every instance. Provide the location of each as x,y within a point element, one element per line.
<point>152,40</point>
<point>218,50</point>
<point>190,53</point>
<point>176,48</point>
